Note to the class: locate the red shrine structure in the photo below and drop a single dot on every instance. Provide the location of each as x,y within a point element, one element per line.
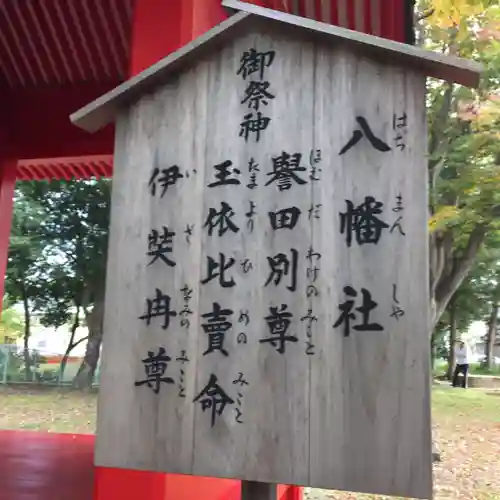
<point>56,56</point>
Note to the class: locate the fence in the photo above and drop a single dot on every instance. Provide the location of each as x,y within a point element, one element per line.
<point>31,366</point>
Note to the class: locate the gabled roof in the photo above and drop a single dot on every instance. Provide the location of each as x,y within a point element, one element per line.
<point>104,109</point>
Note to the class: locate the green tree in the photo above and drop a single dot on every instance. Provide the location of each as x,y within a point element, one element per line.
<point>24,277</point>
<point>485,278</point>
<point>57,260</point>
<point>61,305</point>
<point>76,231</point>
<point>464,151</point>
<point>477,298</point>
<point>11,322</point>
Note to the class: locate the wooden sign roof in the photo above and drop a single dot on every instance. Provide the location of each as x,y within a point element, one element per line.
<point>103,110</point>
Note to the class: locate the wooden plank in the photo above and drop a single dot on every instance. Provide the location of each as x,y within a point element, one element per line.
<point>164,430</point>
<point>327,410</point>
<point>188,104</point>
<point>104,109</point>
<point>120,345</point>
<point>223,246</point>
<point>276,380</point>
<point>372,376</point>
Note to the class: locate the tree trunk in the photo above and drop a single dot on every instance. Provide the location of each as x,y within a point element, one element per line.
<point>86,372</point>
<point>447,269</point>
<point>433,353</point>
<point>71,346</point>
<point>28,375</point>
<point>453,338</point>
<point>491,336</point>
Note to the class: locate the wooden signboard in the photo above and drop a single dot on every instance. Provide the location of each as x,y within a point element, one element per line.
<point>267,293</point>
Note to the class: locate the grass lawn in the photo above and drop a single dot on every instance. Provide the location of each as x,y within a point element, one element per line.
<point>441,368</point>
<point>466,427</point>
<point>44,409</point>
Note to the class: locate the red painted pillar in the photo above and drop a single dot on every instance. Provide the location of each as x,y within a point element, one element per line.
<point>160,27</point>
<point>156,32</point>
<point>293,493</point>
<point>156,28</point>
<point>121,484</point>
<point>7,184</point>
<point>199,16</point>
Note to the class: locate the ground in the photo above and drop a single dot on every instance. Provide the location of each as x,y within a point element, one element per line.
<point>47,410</point>
<point>466,427</point>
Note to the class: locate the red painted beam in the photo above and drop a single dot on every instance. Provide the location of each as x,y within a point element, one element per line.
<point>39,126</point>
<point>64,167</point>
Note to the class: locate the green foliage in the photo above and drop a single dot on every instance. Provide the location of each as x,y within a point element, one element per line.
<point>25,271</point>
<point>440,368</point>
<point>463,123</point>
<point>464,150</point>
<point>439,343</point>
<point>11,322</point>
<point>477,293</point>
<point>73,232</point>
<point>479,369</point>
<point>57,260</point>
<point>26,248</point>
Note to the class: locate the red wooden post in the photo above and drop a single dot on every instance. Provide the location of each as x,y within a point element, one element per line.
<point>161,27</point>
<point>198,16</point>
<point>156,32</point>
<point>121,484</point>
<point>7,184</point>
<point>158,29</point>
<point>293,493</point>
